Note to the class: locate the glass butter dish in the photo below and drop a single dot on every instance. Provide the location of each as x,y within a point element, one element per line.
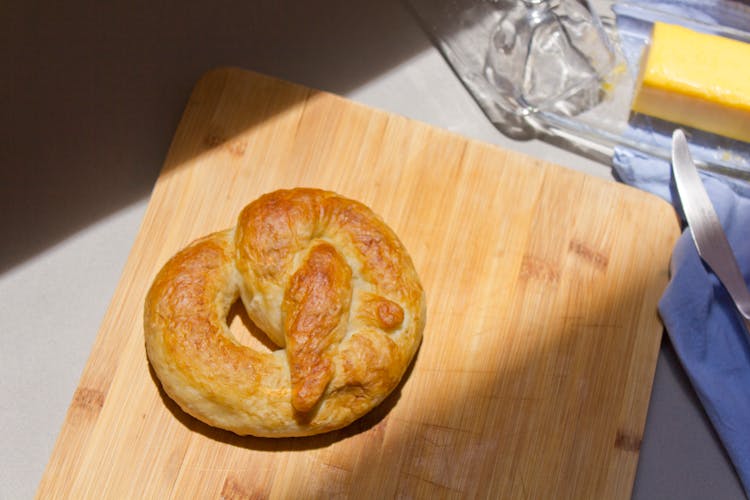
<point>566,70</point>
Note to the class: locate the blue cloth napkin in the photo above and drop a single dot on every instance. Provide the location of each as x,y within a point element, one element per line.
<point>698,313</point>
<point>700,318</point>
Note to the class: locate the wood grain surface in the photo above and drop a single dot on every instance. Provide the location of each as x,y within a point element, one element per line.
<point>534,375</point>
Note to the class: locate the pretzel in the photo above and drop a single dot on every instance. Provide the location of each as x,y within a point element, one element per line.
<point>326,280</point>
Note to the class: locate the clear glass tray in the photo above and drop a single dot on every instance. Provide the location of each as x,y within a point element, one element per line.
<point>461,29</point>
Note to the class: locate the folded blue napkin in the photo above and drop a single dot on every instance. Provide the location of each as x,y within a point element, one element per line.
<point>700,318</point>
<point>699,315</point>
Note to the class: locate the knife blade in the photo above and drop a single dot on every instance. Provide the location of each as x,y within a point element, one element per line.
<point>705,227</point>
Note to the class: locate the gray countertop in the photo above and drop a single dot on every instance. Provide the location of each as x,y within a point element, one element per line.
<point>92,93</point>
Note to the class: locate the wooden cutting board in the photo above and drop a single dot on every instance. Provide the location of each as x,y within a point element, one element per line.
<point>535,372</point>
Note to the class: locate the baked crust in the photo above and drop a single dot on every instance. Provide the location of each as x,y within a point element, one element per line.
<point>329,283</point>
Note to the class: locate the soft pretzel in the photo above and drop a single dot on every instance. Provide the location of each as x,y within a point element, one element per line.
<point>329,283</point>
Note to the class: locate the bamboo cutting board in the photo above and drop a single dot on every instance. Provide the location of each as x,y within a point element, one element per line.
<point>535,371</point>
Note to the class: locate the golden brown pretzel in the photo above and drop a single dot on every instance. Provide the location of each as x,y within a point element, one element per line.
<point>325,279</point>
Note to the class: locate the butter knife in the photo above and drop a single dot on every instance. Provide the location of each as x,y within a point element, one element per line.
<point>705,227</point>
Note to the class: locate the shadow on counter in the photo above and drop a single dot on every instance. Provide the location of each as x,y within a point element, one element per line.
<point>94,92</point>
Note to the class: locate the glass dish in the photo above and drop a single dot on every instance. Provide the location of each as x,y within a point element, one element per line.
<point>462,30</point>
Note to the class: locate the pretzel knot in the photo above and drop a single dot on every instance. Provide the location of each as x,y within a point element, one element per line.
<point>325,279</point>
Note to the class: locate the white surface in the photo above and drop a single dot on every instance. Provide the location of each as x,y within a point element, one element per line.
<point>94,95</point>
<point>62,295</point>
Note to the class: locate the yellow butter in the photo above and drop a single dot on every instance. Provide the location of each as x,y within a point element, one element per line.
<point>698,80</point>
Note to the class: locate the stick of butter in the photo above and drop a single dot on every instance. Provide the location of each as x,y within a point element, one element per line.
<point>698,80</point>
